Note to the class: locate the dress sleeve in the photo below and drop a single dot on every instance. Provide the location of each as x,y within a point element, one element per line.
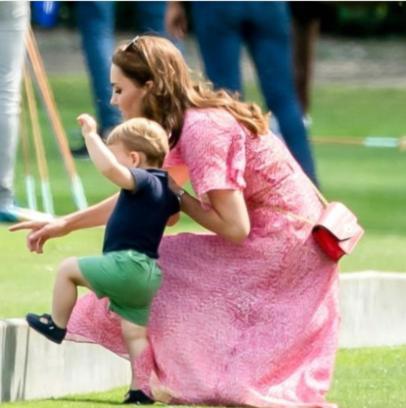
<point>213,148</point>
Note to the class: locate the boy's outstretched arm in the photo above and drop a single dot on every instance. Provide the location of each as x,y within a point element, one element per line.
<point>102,157</point>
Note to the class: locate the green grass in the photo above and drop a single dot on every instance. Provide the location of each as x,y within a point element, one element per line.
<point>370,181</point>
<point>358,112</point>
<point>370,378</point>
<point>364,378</point>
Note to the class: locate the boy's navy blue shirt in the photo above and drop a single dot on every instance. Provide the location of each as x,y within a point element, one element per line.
<point>140,216</point>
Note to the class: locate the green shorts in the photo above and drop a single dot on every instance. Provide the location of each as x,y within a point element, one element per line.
<point>128,278</point>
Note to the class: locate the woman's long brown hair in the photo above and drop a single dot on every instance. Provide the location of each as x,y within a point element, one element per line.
<point>156,59</point>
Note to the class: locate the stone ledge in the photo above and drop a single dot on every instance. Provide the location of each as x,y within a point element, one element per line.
<point>31,367</point>
<point>373,309</point>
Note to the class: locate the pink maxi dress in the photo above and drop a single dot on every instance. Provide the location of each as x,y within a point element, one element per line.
<point>253,324</point>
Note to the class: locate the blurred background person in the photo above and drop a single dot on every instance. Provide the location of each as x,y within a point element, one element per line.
<point>306,28</point>
<point>221,29</point>
<point>14,21</point>
<point>306,20</point>
<point>96,23</point>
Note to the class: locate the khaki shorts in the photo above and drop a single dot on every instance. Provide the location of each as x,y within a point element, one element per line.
<point>128,278</point>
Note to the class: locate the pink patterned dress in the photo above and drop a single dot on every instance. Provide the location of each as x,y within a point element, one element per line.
<point>252,324</point>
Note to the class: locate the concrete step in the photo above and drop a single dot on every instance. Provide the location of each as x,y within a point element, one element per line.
<point>32,367</point>
<point>373,309</point>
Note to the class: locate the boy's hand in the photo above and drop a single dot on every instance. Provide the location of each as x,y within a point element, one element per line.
<point>41,231</point>
<point>88,124</point>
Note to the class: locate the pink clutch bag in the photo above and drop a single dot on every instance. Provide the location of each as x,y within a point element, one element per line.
<point>337,232</point>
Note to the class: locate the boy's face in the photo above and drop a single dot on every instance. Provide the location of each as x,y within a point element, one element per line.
<point>124,156</point>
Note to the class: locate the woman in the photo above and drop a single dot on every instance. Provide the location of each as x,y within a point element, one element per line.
<point>247,315</point>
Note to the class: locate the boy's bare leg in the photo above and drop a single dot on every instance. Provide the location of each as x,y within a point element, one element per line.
<point>135,338</point>
<point>65,292</point>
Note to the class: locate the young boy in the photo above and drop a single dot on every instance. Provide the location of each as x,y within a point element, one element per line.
<point>127,272</point>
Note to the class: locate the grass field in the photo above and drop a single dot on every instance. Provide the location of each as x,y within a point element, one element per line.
<point>371,181</point>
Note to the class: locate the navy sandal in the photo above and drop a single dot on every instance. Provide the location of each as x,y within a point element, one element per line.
<point>46,326</point>
<point>137,397</point>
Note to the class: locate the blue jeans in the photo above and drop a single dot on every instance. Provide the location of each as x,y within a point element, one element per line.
<point>96,23</point>
<point>264,27</point>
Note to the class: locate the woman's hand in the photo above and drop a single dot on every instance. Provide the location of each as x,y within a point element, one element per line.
<point>41,231</point>
<point>175,19</point>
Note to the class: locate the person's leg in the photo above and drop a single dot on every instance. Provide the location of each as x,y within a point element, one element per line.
<point>268,38</point>
<point>135,338</point>
<point>217,30</point>
<point>151,17</point>
<point>69,277</point>
<point>306,19</point>
<point>131,297</point>
<point>14,20</point>
<point>95,21</point>
<point>65,292</point>
<point>304,39</point>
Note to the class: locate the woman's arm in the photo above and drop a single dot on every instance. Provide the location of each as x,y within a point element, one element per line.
<point>227,217</point>
<point>41,231</point>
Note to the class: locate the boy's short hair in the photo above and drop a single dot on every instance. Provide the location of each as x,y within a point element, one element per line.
<point>142,135</point>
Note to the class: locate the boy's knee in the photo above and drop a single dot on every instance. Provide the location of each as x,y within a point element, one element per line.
<point>66,264</point>
<point>68,267</point>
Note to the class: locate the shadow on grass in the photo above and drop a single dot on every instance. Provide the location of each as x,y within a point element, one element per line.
<point>107,402</point>
<point>89,400</point>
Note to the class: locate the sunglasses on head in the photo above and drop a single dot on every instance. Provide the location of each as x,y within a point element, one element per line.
<point>132,43</point>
